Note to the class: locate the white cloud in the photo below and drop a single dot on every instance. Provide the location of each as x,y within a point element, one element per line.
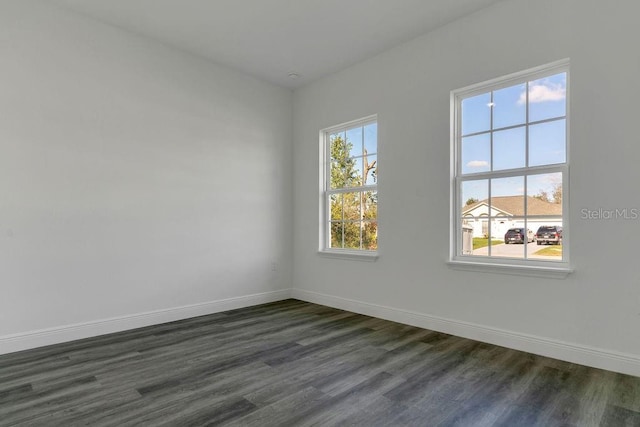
<point>544,92</point>
<point>478,164</point>
<point>550,178</point>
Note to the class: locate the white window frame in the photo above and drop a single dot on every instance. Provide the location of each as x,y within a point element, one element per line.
<point>325,248</point>
<point>539,268</point>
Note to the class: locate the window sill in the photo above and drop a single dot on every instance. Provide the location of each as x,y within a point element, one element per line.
<point>368,256</point>
<point>560,272</point>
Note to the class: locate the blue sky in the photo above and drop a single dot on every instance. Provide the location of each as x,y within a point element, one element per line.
<point>508,107</point>
<point>362,137</point>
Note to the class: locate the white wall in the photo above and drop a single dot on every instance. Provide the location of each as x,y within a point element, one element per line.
<point>592,314</point>
<point>133,179</point>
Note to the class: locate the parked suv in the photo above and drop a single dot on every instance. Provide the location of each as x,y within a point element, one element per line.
<point>549,234</point>
<point>516,235</point>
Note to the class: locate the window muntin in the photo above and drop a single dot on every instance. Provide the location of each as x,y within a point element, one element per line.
<point>511,166</point>
<point>350,217</point>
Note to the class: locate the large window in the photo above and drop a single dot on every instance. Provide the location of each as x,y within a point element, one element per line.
<point>350,188</point>
<point>510,170</point>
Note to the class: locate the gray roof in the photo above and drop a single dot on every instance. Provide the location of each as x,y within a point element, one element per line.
<point>514,205</point>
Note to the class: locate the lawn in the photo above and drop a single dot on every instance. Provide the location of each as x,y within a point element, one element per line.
<point>555,250</point>
<point>481,242</point>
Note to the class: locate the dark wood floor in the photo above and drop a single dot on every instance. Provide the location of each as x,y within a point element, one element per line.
<point>293,363</point>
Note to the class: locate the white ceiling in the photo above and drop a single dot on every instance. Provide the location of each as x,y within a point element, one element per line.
<point>270,39</point>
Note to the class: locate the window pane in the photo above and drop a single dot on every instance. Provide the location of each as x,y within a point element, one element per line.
<point>476,114</point>
<point>346,172</point>
<point>338,145</point>
<point>474,195</point>
<point>509,149</point>
<point>351,206</point>
<point>370,235</point>
<point>467,226</point>
<point>509,106</point>
<point>476,153</point>
<point>371,138</point>
<point>547,188</point>
<point>507,198</point>
<point>512,188</point>
<point>517,240</point>
<point>370,205</point>
<point>547,97</point>
<point>544,210</point>
<point>336,235</point>
<point>547,143</point>
<point>370,169</point>
<point>336,207</point>
<point>354,170</point>
<point>337,175</point>
<point>354,141</point>
<point>335,136</point>
<point>341,165</point>
<point>352,235</point>
<point>507,212</point>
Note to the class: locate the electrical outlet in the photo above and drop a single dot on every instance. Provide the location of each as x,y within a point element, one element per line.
<point>274,266</point>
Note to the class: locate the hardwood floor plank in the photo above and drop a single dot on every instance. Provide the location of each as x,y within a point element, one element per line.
<point>209,415</point>
<point>626,393</point>
<point>622,417</point>
<point>488,396</point>
<point>16,392</point>
<point>281,411</point>
<point>38,406</point>
<point>340,407</point>
<point>535,406</point>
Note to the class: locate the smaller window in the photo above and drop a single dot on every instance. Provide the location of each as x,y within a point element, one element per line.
<point>349,175</point>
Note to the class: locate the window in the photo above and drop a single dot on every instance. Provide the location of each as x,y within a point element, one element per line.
<point>510,170</point>
<point>350,188</point>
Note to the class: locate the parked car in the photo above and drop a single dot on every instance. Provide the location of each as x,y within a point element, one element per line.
<point>549,234</point>
<point>516,235</point>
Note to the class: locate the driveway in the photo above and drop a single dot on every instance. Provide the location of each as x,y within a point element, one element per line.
<point>515,251</point>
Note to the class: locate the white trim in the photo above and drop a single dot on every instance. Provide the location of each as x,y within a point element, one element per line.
<point>514,78</point>
<point>60,334</point>
<point>547,272</point>
<point>351,124</point>
<point>350,255</point>
<point>575,353</point>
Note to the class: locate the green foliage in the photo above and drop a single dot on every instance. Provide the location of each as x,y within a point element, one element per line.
<point>550,251</point>
<point>343,167</point>
<point>354,214</point>
<point>481,242</point>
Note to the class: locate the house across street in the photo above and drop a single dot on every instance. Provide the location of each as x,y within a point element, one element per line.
<point>508,212</point>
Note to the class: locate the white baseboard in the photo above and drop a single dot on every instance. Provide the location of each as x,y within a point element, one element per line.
<point>56,335</point>
<point>575,353</point>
